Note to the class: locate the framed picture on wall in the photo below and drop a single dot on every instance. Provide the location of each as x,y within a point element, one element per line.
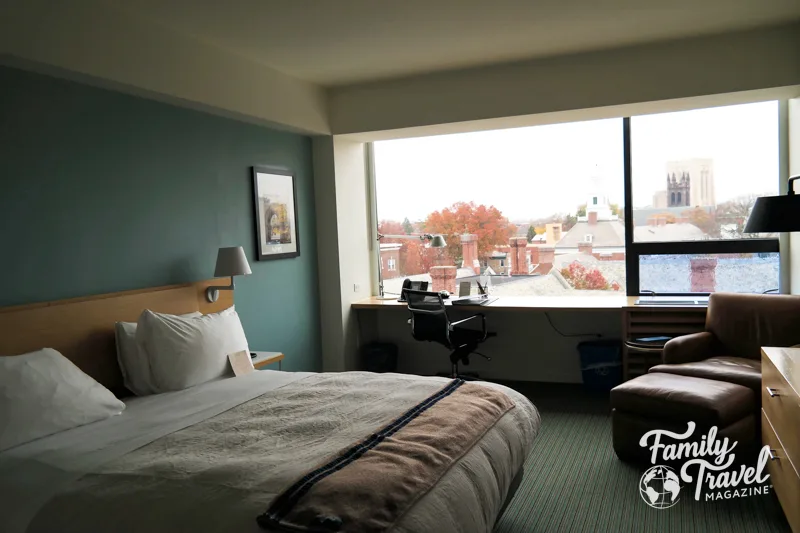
<point>275,195</point>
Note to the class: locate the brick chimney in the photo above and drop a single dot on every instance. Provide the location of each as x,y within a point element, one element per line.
<point>443,279</point>
<point>704,275</point>
<point>592,218</point>
<point>585,248</point>
<point>469,252</point>
<point>519,256</point>
<point>542,256</point>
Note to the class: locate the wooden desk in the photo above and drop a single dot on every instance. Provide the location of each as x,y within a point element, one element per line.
<point>637,320</point>
<point>521,303</point>
<point>546,303</point>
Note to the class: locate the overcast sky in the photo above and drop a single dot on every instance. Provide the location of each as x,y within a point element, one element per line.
<point>534,172</point>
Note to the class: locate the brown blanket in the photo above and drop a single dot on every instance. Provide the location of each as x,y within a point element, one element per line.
<point>368,487</point>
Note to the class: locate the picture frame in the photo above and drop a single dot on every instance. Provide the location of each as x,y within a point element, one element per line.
<point>275,200</point>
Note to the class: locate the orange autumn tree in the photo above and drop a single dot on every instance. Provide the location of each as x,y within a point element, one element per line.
<point>391,227</point>
<point>703,220</point>
<point>414,257</point>
<point>487,222</point>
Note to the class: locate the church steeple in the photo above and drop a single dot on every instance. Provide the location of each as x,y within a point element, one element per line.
<point>597,201</point>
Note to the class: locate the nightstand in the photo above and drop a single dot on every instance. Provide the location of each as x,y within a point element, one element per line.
<point>263,359</point>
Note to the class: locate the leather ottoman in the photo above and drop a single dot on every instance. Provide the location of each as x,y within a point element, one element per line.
<point>669,401</point>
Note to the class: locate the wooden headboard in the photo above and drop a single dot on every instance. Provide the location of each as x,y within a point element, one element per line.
<point>83,328</point>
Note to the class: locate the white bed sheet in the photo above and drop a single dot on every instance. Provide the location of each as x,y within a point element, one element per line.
<point>471,492</point>
<point>32,473</point>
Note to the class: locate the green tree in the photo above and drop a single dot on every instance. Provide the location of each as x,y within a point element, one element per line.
<point>407,227</point>
<point>581,212</point>
<point>531,233</point>
<point>568,222</point>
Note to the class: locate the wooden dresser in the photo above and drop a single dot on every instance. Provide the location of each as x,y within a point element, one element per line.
<point>780,425</point>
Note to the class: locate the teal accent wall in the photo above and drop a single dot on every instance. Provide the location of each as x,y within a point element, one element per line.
<point>103,192</point>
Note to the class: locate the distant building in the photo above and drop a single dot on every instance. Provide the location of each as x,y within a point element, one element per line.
<point>649,216</point>
<point>390,260</point>
<point>699,182</point>
<point>597,201</point>
<point>600,232</point>
<point>552,233</point>
<point>678,190</point>
<point>660,199</point>
<point>498,262</point>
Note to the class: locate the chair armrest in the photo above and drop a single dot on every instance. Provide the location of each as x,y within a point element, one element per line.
<point>459,322</point>
<point>483,324</point>
<point>690,348</point>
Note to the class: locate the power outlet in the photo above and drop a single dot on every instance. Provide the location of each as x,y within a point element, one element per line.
<point>356,287</point>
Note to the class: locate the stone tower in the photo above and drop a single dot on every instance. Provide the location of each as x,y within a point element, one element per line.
<point>678,188</point>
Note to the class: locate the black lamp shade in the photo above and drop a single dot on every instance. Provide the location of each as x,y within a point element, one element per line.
<point>775,214</point>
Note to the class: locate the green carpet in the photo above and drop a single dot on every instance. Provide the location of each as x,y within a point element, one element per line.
<point>574,483</point>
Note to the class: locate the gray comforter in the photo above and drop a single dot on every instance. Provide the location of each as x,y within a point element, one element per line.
<point>219,474</point>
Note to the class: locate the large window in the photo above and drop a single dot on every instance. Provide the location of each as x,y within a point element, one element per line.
<point>695,176</point>
<point>531,211</point>
<point>648,204</point>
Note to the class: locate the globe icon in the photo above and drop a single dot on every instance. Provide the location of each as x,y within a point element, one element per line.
<point>660,487</point>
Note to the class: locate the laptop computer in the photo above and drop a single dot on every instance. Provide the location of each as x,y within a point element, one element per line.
<point>480,299</point>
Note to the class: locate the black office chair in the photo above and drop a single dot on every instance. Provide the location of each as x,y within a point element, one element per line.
<point>429,322</point>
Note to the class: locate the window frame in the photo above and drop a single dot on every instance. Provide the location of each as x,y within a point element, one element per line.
<point>633,249</point>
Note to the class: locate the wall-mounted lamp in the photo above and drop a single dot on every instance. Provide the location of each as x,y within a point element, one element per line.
<point>230,262</point>
<point>775,214</point>
<point>437,241</point>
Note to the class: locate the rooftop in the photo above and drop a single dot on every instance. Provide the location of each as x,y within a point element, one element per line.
<point>605,234</point>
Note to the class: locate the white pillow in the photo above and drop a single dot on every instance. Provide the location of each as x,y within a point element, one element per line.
<point>183,352</point>
<point>133,364</point>
<point>42,393</point>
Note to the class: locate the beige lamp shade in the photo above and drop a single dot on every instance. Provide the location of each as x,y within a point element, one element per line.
<point>231,262</point>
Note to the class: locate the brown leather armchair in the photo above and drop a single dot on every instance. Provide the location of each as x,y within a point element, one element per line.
<point>737,326</point>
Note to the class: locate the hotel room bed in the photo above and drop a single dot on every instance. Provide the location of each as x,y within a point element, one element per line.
<point>212,457</point>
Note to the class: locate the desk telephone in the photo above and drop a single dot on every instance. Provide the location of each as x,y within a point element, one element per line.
<point>414,286</point>
<point>482,298</point>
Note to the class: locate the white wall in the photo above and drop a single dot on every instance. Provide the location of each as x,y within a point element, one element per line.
<point>794,170</point>
<point>102,44</point>
<point>343,237</point>
<point>726,63</point>
<point>526,347</point>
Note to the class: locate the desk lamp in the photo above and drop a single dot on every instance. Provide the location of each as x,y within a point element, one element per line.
<point>230,262</point>
<point>437,241</point>
<point>774,214</point>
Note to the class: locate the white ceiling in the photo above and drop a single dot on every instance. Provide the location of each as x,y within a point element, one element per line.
<point>336,42</point>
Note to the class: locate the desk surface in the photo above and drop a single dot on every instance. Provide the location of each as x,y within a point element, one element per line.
<point>543,303</point>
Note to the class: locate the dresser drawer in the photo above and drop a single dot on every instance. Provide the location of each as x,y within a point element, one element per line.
<point>785,479</point>
<point>782,406</point>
